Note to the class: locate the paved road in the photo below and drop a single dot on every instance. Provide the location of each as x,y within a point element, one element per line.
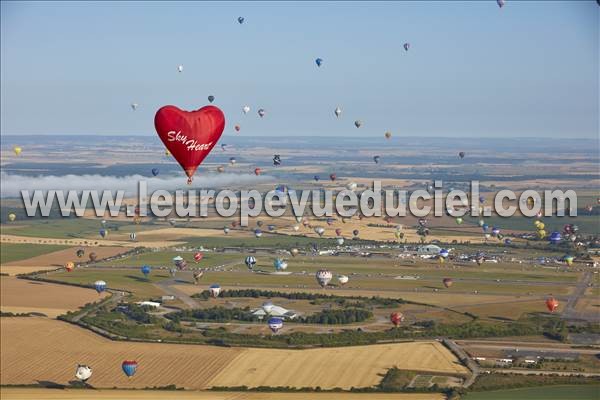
<point>526,346</point>
<point>569,311</point>
<point>465,359</point>
<point>511,371</point>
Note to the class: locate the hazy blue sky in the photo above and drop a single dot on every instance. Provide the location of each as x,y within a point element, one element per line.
<point>473,69</point>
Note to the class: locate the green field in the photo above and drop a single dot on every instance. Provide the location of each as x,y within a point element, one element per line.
<point>165,258</point>
<point>570,392</point>
<point>10,252</point>
<point>67,228</point>
<point>586,223</point>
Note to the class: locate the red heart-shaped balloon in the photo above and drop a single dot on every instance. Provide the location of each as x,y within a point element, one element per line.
<point>189,135</point>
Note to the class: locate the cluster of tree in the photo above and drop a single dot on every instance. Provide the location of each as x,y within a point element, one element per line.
<point>139,314</point>
<point>341,300</point>
<point>214,314</point>
<point>334,317</point>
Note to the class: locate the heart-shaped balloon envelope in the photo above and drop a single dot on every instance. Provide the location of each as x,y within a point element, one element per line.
<point>189,135</point>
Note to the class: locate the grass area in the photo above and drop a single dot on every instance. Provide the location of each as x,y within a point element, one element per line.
<point>64,228</point>
<point>567,392</point>
<point>266,241</point>
<point>587,224</point>
<point>165,258</point>
<point>128,279</point>
<point>10,252</point>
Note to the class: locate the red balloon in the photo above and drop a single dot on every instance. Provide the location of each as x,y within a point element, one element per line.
<point>338,231</point>
<point>396,318</point>
<point>198,256</point>
<point>189,135</point>
<point>237,128</point>
<point>552,304</point>
<point>332,177</point>
<point>256,171</point>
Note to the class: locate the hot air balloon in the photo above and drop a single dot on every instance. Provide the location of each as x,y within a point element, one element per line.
<point>447,282</point>
<point>319,61</point>
<point>500,3</point>
<point>80,252</point>
<point>337,112</point>
<point>12,217</point>
<point>495,231</point>
<point>480,259</point>
<point>342,279</point>
<point>555,237</point>
<point>250,262</point>
<point>220,169</point>
<point>129,367</point>
<point>332,177</point>
<point>388,134</point>
<point>323,277</point>
<point>257,233</point>
<point>507,241</point>
<point>276,160</point>
<point>339,240</point>
<point>294,252</point>
<point>257,171</point>
<point>406,46</point>
<point>103,233</point>
<point>330,221</point>
<point>351,186</point>
<point>267,306</point>
<point>172,272</point>
<point>92,256</point>
<point>100,286</point>
<point>459,220</point>
<point>259,223</point>
<point>198,256</point>
<point>271,227</point>
<point>237,128</point>
<point>261,112</point>
<point>357,123</point>
<point>275,324</point>
<point>444,253</point>
<point>338,231</point>
<point>132,236</point>
<point>232,161</point>
<point>280,264</point>
<point>316,178</point>
<point>155,171</point>
<point>211,98</point>
<point>189,136</point>
<point>396,318</point>
<point>17,150</point>
<point>461,154</point>
<point>355,232</point>
<point>197,276</point>
<point>319,230</point>
<point>296,228</point>
<point>214,290</point>
<point>69,266</point>
<point>134,106</point>
<point>240,20</point>
<point>376,159</point>
<point>569,260</point>
<point>552,304</point>
<point>83,372</point>
<point>145,270</point>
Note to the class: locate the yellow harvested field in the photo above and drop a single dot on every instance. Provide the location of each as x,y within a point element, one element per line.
<point>358,366</point>
<point>59,258</point>
<point>20,296</point>
<point>35,349</point>
<point>73,394</point>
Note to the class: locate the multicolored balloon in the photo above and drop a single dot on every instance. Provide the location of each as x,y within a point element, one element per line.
<point>129,367</point>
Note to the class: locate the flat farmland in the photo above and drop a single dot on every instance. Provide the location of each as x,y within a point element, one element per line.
<point>20,296</point>
<point>39,349</point>
<point>71,394</point>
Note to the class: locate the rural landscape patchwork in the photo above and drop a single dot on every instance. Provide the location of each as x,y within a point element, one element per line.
<point>135,302</point>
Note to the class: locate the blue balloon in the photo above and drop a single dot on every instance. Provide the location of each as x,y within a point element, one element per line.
<point>444,253</point>
<point>155,171</point>
<point>485,227</point>
<point>241,20</point>
<point>555,237</point>
<point>146,270</point>
<point>507,241</point>
<point>129,367</point>
<point>271,227</point>
<point>275,324</point>
<point>100,286</point>
<point>316,177</point>
<point>319,61</point>
<point>103,232</point>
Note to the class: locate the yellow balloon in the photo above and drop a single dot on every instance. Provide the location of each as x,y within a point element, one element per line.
<point>12,217</point>
<point>17,150</point>
<point>541,233</point>
<point>541,226</point>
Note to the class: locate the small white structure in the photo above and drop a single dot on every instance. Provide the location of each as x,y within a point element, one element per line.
<point>167,297</point>
<point>430,249</point>
<point>274,311</point>
<point>148,303</point>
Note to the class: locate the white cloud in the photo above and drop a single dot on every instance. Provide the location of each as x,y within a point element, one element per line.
<point>13,184</point>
